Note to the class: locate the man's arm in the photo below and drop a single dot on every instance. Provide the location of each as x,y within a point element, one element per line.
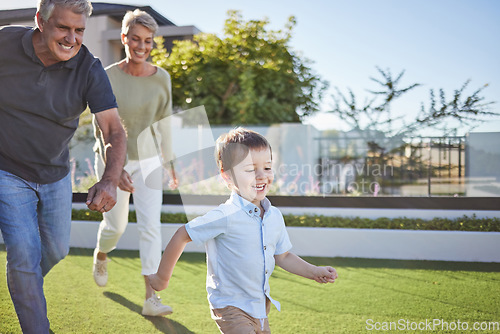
<point>173,251</point>
<point>295,265</point>
<point>102,196</point>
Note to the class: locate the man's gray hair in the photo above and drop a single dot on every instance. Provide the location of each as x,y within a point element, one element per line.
<point>136,17</point>
<point>46,7</point>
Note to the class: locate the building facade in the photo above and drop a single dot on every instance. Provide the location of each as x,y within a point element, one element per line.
<point>102,34</point>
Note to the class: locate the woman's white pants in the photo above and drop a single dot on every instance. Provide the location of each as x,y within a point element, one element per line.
<point>147,204</point>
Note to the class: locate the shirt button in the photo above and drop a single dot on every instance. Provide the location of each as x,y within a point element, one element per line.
<point>256,210</point>
<point>267,272</point>
<point>249,211</point>
<point>265,247</point>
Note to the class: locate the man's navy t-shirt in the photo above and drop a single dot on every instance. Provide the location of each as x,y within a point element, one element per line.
<point>40,106</point>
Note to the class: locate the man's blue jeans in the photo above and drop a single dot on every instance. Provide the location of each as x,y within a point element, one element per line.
<point>35,220</point>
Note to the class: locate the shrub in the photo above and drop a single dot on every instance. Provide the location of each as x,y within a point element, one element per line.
<point>464,223</point>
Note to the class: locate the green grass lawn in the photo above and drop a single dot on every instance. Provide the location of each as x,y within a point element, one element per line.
<point>403,292</point>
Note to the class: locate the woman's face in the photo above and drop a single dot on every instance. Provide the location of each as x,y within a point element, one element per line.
<point>138,43</point>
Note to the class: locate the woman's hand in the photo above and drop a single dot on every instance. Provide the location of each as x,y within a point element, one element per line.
<point>125,183</point>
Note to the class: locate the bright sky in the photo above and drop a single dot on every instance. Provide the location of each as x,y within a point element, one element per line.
<point>439,43</point>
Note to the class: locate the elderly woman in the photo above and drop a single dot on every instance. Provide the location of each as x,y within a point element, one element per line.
<point>143,94</point>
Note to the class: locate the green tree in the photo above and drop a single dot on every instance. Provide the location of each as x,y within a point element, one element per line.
<point>386,134</point>
<point>250,76</point>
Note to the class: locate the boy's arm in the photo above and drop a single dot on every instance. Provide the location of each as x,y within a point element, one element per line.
<point>173,251</point>
<point>295,265</point>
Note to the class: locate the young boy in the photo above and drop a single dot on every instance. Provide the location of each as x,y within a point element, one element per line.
<point>244,238</point>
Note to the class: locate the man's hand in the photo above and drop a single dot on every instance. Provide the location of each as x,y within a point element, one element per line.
<point>102,196</point>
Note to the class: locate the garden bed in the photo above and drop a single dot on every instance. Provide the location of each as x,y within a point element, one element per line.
<point>465,223</point>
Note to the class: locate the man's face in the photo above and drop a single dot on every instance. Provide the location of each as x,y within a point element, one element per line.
<point>62,35</point>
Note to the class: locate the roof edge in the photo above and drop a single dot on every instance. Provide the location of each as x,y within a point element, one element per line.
<point>9,16</point>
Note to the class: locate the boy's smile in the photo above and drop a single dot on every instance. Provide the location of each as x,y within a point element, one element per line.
<point>253,176</point>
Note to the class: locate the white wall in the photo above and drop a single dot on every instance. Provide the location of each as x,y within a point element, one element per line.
<point>340,242</point>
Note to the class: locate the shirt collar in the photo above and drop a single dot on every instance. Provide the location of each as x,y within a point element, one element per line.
<point>247,206</point>
<point>27,41</point>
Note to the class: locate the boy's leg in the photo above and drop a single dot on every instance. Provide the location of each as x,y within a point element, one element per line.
<point>232,320</point>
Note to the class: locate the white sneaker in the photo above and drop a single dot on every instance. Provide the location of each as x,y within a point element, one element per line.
<point>100,270</point>
<point>154,308</point>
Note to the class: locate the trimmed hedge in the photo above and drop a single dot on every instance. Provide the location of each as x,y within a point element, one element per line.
<point>464,223</point>
<point>173,218</point>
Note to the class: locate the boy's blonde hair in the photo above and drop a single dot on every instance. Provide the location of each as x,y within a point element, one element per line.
<point>136,17</point>
<point>232,147</point>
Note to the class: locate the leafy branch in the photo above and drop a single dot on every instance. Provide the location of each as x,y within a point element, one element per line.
<point>376,115</point>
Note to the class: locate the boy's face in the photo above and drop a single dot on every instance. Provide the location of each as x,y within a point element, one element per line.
<point>253,176</point>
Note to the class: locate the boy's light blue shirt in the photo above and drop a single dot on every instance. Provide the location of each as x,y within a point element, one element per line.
<point>240,252</point>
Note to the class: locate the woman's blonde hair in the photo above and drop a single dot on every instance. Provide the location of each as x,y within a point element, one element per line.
<point>138,16</point>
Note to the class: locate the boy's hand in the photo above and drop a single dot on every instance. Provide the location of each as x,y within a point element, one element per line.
<point>325,274</point>
<point>156,282</point>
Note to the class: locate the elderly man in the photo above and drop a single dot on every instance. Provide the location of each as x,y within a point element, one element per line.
<point>47,78</point>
